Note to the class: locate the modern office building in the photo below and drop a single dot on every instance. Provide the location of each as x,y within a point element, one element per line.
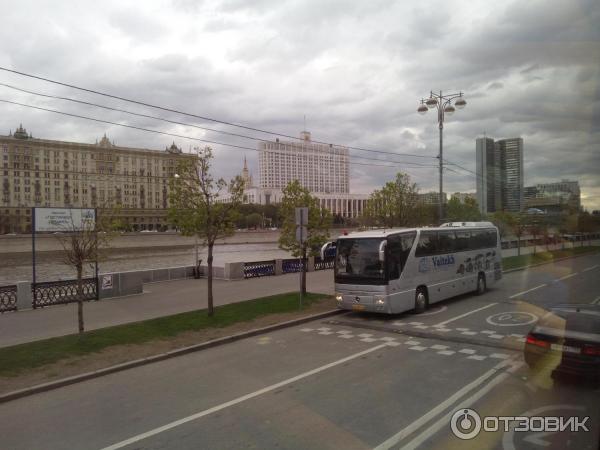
<point>432,198</point>
<point>318,167</point>
<point>463,196</point>
<point>48,173</point>
<point>511,169</point>
<point>499,174</point>
<point>554,197</point>
<point>488,179</point>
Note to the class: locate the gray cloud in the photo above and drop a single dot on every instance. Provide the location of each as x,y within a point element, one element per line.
<point>356,70</point>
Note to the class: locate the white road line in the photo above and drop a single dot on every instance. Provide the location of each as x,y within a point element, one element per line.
<point>597,301</point>
<point>414,426</point>
<point>241,399</point>
<point>590,268</point>
<point>528,290</point>
<point>444,421</point>
<point>566,276</point>
<point>464,315</point>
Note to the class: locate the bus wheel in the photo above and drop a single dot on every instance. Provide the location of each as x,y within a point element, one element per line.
<point>481,286</point>
<point>421,300</point>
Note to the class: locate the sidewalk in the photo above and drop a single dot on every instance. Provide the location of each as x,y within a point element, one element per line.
<point>158,299</point>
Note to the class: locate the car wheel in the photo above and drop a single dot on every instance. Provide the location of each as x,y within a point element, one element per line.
<point>421,300</point>
<point>481,285</point>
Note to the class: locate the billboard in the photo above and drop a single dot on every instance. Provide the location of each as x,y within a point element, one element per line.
<point>64,219</point>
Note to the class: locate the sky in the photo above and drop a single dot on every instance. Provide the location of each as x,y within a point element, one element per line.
<point>356,70</point>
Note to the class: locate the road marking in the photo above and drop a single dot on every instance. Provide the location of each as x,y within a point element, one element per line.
<point>414,426</point>
<point>464,315</point>
<point>528,290</point>
<point>590,268</point>
<point>444,421</point>
<point>565,277</point>
<point>241,399</point>
<point>597,301</point>
<point>467,351</point>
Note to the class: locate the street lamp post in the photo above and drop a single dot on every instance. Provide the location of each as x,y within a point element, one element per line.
<point>444,106</point>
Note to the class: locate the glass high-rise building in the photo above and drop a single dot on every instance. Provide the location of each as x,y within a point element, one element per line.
<point>511,168</point>
<point>499,167</point>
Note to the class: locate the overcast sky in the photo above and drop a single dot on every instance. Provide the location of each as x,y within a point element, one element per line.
<point>357,70</point>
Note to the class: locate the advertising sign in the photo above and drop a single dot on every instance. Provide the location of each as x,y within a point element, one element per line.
<point>64,219</point>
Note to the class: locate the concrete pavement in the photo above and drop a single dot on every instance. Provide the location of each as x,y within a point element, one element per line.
<point>158,299</point>
<point>332,385</point>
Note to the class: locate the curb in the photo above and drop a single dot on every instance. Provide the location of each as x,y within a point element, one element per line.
<point>160,357</point>
<point>516,269</point>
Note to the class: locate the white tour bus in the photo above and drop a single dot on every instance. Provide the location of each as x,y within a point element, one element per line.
<point>396,270</point>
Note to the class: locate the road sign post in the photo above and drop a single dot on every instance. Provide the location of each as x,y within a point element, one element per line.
<point>301,235</point>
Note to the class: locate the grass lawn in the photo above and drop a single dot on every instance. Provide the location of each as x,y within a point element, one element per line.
<point>17,358</point>
<point>513,262</point>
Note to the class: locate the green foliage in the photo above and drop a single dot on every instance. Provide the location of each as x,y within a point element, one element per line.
<point>194,209</point>
<point>18,358</point>
<point>269,212</point>
<point>319,220</point>
<point>507,223</point>
<point>396,205</point>
<point>254,220</point>
<point>462,212</point>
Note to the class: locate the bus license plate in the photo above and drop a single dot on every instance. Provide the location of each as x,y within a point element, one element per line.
<point>358,307</point>
<point>565,348</point>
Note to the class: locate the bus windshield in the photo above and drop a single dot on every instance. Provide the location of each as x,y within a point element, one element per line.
<point>357,260</point>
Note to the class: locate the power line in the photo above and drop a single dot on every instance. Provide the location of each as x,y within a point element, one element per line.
<point>169,121</point>
<point>149,105</point>
<point>192,138</point>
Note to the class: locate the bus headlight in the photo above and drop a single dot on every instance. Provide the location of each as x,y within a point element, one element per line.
<point>338,298</point>
<point>380,301</point>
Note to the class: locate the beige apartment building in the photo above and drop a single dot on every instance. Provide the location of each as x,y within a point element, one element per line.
<point>48,173</point>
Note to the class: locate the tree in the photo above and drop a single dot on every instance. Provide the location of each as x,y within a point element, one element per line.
<point>195,210</point>
<point>456,211</point>
<point>319,222</point>
<point>395,204</point>
<point>254,220</point>
<point>81,243</point>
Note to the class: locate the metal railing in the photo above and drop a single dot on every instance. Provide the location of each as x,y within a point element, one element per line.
<point>65,291</point>
<point>259,269</point>
<point>323,264</point>
<point>291,265</point>
<point>8,298</point>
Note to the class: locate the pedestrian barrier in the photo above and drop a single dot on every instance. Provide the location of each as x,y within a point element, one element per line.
<point>259,269</point>
<point>64,291</point>
<point>324,264</point>
<point>291,265</point>
<point>8,298</point>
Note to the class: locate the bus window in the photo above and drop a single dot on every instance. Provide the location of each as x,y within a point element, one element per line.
<point>398,247</point>
<point>462,240</point>
<point>478,240</point>
<point>428,244</point>
<point>491,238</point>
<point>446,242</point>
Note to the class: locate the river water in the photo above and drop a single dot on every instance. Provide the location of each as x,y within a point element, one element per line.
<point>17,266</point>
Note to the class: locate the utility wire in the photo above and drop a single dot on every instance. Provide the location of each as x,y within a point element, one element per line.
<point>183,136</point>
<point>172,121</point>
<point>149,105</point>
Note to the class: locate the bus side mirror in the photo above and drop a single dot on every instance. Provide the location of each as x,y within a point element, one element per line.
<point>382,251</point>
<point>324,249</point>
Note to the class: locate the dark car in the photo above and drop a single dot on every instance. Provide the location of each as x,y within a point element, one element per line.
<point>569,337</point>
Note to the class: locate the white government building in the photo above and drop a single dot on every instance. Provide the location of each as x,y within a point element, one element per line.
<point>322,168</point>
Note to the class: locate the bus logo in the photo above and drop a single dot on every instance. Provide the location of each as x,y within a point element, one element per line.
<point>424,265</point>
<point>440,261</point>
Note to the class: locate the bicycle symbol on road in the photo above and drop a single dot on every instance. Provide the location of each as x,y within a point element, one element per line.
<point>512,319</point>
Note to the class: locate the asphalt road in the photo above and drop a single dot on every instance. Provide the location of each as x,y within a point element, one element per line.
<point>352,382</point>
